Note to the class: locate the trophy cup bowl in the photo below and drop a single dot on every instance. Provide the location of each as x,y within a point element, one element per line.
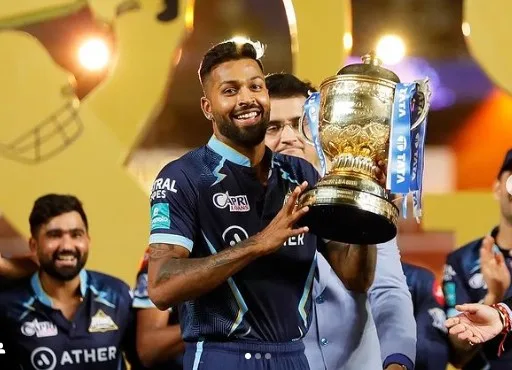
<point>348,204</point>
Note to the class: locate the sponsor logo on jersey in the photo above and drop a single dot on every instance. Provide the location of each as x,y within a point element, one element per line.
<point>437,291</point>
<point>160,216</point>
<point>449,293</point>
<point>448,273</point>
<point>45,358</point>
<point>161,187</point>
<point>438,318</point>
<point>101,323</point>
<point>236,203</point>
<point>477,281</point>
<point>39,329</point>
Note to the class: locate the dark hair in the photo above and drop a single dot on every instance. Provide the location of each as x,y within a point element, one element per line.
<point>507,163</point>
<point>286,85</point>
<point>53,205</point>
<point>224,52</point>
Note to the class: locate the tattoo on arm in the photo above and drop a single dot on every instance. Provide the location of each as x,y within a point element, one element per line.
<point>177,265</point>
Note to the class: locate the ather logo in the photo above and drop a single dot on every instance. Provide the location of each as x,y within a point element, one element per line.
<point>508,184</point>
<point>2,350</point>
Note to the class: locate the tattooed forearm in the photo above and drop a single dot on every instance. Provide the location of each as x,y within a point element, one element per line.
<point>192,266</point>
<point>173,278</point>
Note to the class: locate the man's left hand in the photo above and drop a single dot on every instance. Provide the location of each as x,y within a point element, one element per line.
<point>380,171</point>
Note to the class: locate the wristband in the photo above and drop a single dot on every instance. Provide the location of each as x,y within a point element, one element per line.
<point>506,322</point>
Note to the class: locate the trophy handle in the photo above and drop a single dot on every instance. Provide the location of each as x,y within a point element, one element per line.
<point>301,129</point>
<point>425,96</point>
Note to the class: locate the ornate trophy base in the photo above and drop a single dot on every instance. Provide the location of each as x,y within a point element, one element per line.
<point>350,208</point>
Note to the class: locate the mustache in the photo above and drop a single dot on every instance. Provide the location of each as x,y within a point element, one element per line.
<point>66,253</point>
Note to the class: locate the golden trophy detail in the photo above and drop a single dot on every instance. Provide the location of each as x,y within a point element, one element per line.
<point>354,116</point>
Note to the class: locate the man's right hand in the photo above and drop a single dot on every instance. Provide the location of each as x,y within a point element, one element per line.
<point>477,323</point>
<point>281,227</point>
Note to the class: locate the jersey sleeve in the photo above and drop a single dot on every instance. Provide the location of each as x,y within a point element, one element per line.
<point>433,346</point>
<point>454,286</point>
<point>173,208</point>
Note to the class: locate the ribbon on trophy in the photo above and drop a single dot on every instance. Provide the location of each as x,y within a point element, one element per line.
<point>406,149</point>
<point>311,114</point>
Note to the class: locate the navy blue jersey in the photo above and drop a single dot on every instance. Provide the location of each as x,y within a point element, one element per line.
<point>209,200</point>
<point>141,301</point>
<point>39,337</point>
<point>463,283</point>
<point>432,346</point>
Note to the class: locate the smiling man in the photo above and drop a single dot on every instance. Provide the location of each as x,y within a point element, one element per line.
<point>64,316</point>
<point>223,243</point>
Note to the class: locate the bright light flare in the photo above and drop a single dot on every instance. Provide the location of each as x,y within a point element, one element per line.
<point>390,49</point>
<point>94,54</point>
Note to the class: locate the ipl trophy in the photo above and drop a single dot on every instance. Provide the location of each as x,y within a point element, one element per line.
<point>360,117</point>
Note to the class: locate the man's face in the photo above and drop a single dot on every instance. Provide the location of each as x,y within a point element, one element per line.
<point>62,246</point>
<point>503,196</point>
<point>283,129</point>
<point>237,101</point>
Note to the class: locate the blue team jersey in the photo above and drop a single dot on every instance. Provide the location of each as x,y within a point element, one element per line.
<point>463,283</point>
<point>432,346</point>
<point>141,301</point>
<point>37,336</point>
<point>211,199</point>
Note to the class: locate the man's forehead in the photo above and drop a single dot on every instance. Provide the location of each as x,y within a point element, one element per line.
<point>236,70</point>
<point>65,221</point>
<point>286,108</point>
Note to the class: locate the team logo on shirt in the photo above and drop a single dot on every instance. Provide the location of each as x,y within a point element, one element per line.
<point>477,281</point>
<point>101,323</point>
<point>236,203</point>
<point>39,329</point>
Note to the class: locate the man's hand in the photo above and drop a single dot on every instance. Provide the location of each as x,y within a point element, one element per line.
<point>494,271</point>
<point>395,367</point>
<point>477,323</point>
<point>380,172</point>
<point>282,226</point>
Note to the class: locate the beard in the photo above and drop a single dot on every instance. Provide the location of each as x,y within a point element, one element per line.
<point>63,273</point>
<point>246,137</point>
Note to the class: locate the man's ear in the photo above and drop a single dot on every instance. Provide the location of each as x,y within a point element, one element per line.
<point>206,107</point>
<point>496,189</point>
<point>32,245</point>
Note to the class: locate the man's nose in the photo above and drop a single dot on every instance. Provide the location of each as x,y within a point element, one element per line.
<point>245,96</point>
<point>289,134</point>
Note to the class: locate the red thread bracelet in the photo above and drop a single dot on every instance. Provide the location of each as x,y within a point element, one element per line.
<point>507,325</point>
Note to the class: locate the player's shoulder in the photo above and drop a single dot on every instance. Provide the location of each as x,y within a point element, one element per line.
<point>18,290</point>
<point>186,165</point>
<point>417,271</point>
<point>104,284</point>
<point>467,252</point>
<point>417,277</point>
<point>301,168</point>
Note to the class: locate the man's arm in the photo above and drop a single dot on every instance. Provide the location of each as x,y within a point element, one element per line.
<point>392,308</point>
<point>174,278</point>
<point>157,341</point>
<point>354,264</point>
<point>17,267</point>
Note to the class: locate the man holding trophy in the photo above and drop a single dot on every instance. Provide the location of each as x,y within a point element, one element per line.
<point>389,298</point>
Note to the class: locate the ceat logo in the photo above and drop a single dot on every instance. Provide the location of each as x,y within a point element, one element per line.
<point>437,291</point>
<point>236,203</point>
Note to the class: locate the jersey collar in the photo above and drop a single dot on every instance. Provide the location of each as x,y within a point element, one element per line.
<point>44,298</point>
<point>230,154</point>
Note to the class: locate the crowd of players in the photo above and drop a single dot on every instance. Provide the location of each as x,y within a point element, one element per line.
<point>278,298</point>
